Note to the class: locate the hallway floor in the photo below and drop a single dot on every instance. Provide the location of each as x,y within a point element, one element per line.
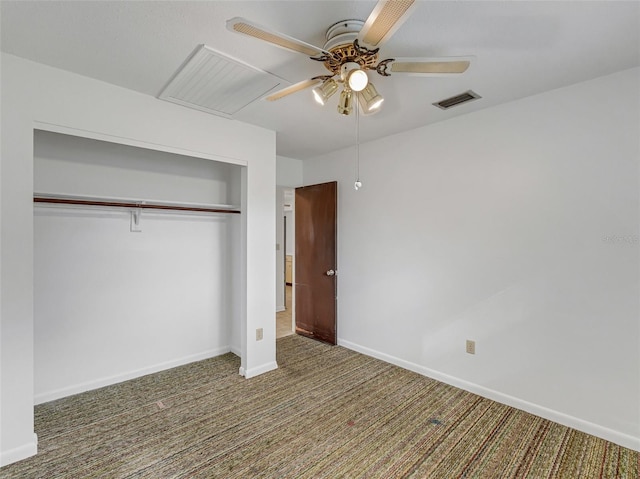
<point>283,318</point>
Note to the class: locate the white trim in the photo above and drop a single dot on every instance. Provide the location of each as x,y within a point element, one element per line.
<point>253,372</point>
<point>118,378</point>
<point>616,437</point>
<point>94,135</point>
<point>236,350</point>
<point>280,309</point>
<point>19,453</point>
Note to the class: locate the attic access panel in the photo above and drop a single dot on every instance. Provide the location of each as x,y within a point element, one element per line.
<point>215,83</point>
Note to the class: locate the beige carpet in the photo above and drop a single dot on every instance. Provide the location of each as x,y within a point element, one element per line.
<point>327,412</point>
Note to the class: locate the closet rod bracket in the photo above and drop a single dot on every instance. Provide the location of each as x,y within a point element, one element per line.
<point>136,215</point>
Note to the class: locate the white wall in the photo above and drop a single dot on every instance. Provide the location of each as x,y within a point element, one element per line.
<point>81,166</point>
<point>111,304</point>
<point>288,171</point>
<point>517,227</point>
<point>37,96</point>
<point>290,233</point>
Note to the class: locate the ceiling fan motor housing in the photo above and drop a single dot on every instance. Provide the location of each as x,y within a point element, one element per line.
<point>340,42</point>
<point>342,33</point>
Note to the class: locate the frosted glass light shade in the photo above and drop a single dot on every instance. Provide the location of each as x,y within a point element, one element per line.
<point>357,80</point>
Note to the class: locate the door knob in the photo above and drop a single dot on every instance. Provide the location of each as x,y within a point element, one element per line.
<point>331,272</point>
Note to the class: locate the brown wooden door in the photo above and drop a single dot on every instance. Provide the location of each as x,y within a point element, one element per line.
<point>315,265</point>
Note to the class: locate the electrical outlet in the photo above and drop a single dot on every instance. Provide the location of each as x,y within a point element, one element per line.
<point>259,334</point>
<point>471,347</point>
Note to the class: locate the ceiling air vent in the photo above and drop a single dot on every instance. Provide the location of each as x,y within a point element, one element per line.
<point>217,84</point>
<point>457,100</point>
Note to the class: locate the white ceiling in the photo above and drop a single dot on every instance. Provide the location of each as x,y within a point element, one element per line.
<point>520,48</point>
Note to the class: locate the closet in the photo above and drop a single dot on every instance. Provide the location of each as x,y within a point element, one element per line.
<point>136,260</point>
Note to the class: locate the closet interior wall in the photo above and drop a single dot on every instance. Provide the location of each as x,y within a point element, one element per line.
<point>112,303</point>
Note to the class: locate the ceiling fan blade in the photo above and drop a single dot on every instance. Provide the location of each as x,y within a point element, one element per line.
<point>247,27</point>
<point>296,87</point>
<point>384,20</point>
<point>433,66</point>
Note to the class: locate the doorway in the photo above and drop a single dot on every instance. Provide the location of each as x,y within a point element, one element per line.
<point>285,315</point>
<point>315,276</point>
<point>307,262</point>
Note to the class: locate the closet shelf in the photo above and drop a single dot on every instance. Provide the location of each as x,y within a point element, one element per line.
<point>84,200</point>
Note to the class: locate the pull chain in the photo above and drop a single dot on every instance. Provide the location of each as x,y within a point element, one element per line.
<point>358,184</point>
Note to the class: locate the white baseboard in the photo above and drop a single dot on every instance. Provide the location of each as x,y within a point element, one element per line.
<point>280,308</point>
<point>611,435</point>
<point>19,453</point>
<point>118,378</point>
<point>264,368</point>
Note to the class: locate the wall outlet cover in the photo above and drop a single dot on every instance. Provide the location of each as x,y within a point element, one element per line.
<point>471,346</point>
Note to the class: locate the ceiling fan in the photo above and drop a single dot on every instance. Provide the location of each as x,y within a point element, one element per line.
<point>352,49</point>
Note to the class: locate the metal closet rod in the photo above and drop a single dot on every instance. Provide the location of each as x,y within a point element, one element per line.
<point>125,204</point>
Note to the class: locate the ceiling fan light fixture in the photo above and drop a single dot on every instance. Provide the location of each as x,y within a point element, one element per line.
<point>350,54</point>
<point>370,99</point>
<point>323,92</point>
<point>357,80</point>
<point>345,105</point>
<point>353,76</point>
